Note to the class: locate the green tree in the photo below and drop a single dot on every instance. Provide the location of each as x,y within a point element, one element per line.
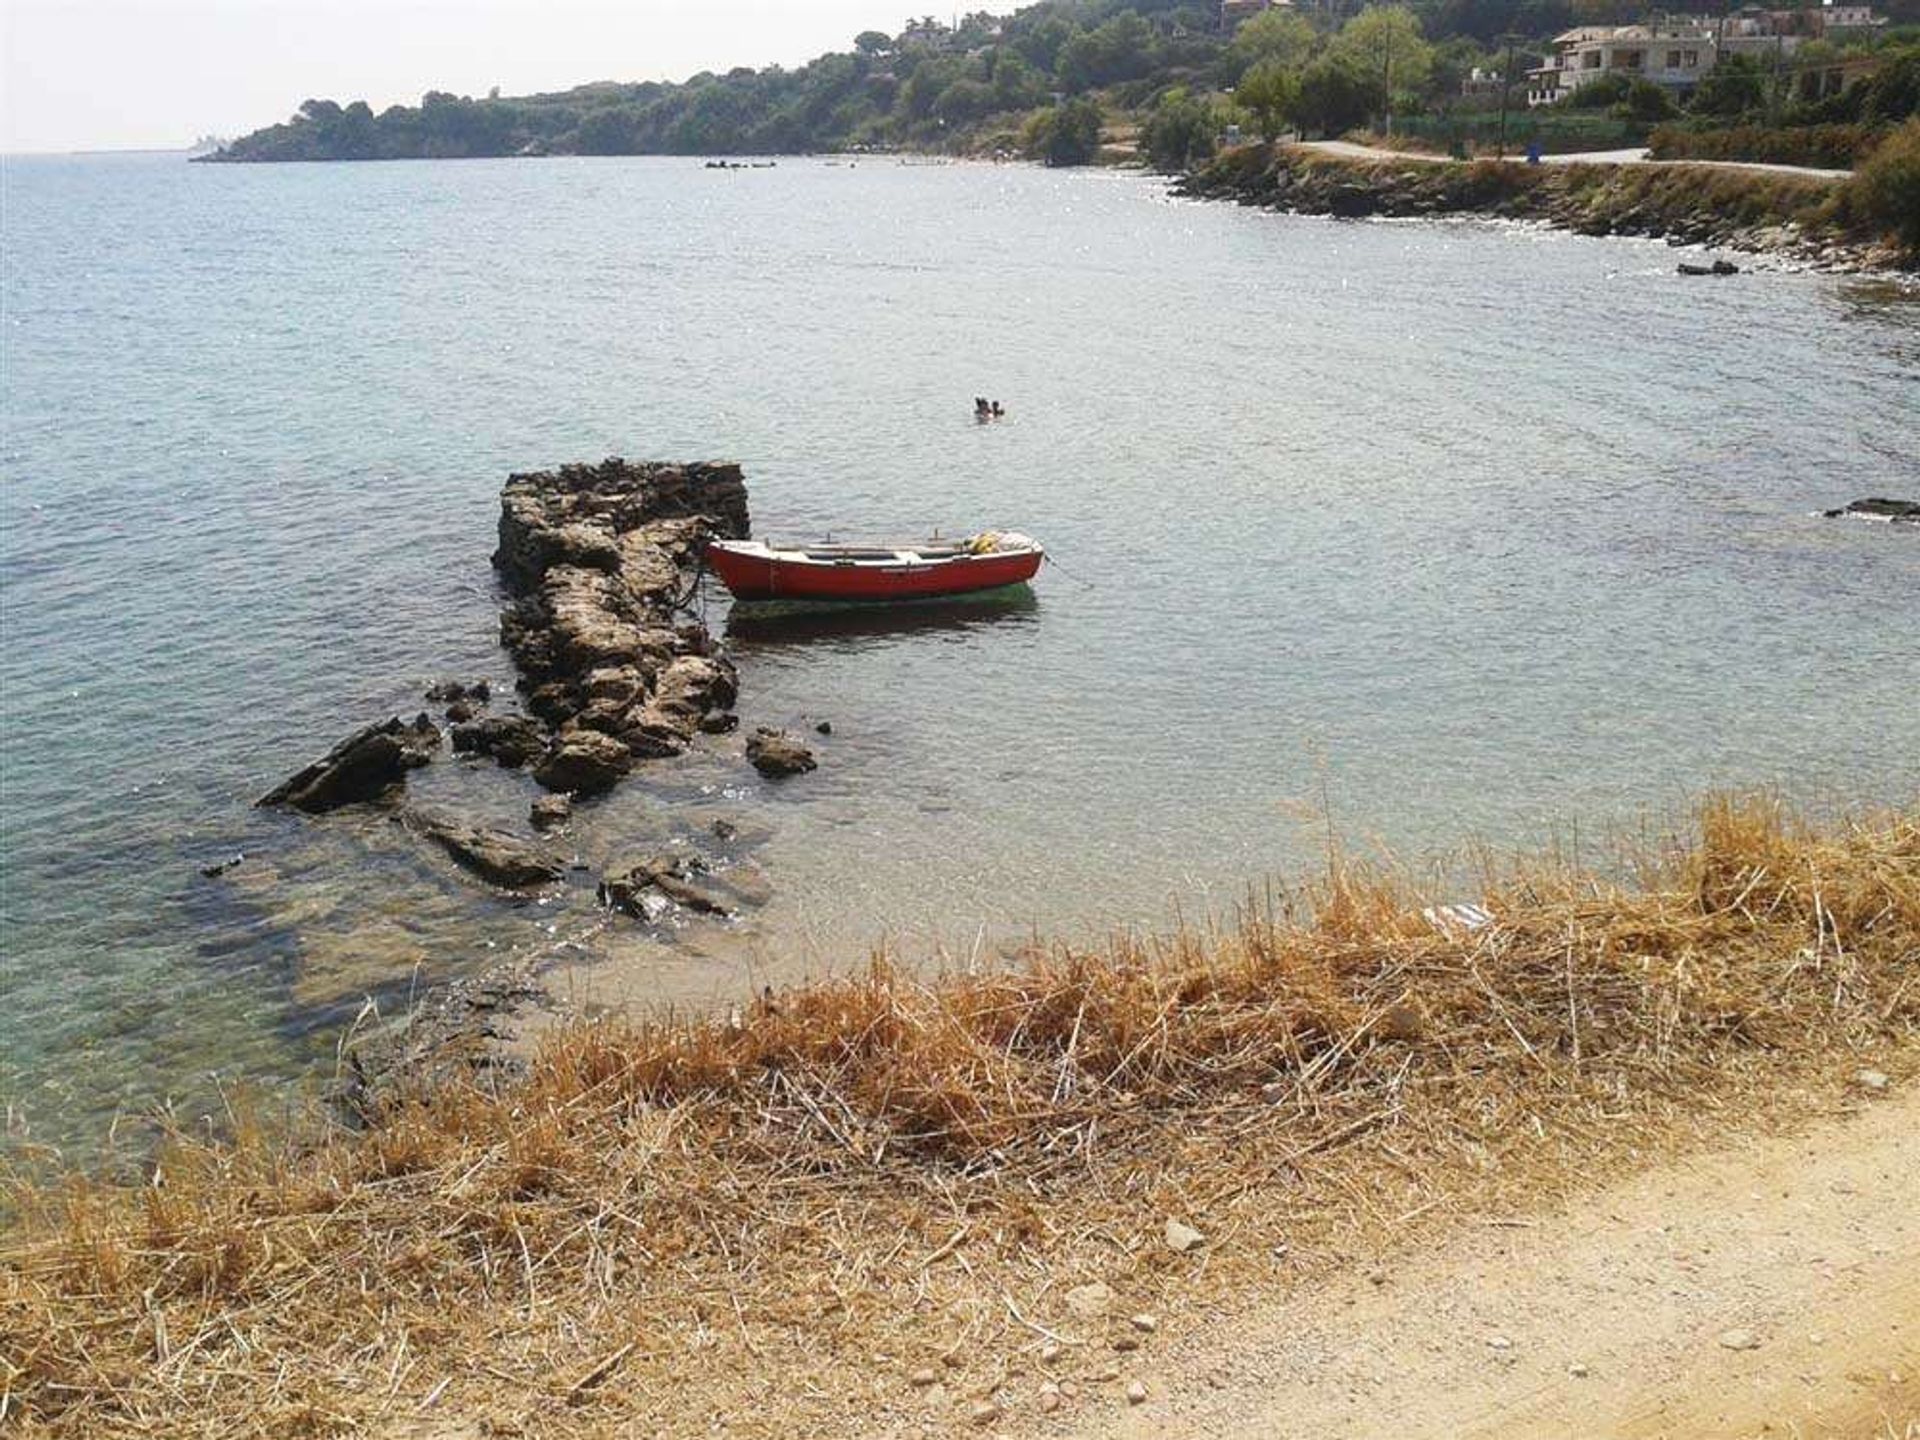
<point>1280,35</point>
<point>1066,134</point>
<point>1334,98</point>
<point>1734,87</point>
<point>872,42</point>
<point>1270,93</point>
<point>1646,102</point>
<point>1384,44</point>
<point>1179,132</point>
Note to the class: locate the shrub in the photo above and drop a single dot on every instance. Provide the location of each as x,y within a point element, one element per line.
<point>1825,147</point>
<point>1886,192</point>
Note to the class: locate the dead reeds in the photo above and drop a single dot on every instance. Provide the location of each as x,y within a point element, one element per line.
<point>786,1211</point>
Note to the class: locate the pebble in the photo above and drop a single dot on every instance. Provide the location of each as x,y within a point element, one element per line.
<point>1124,1343</point>
<point>1136,1392</point>
<point>921,1379</point>
<point>1069,1389</point>
<point>1049,1401</point>
<point>1051,1351</point>
<point>1875,1080</point>
<point>1182,1237</point>
<point>1107,1372</point>
<point>825,727</point>
<point>1577,1370</point>
<point>1739,1340</point>
<point>1376,1277</point>
<point>984,1412</point>
<point>1145,1323</point>
<point>1499,1342</point>
<point>1090,1301</point>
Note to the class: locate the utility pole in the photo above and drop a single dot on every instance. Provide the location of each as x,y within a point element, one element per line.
<point>1388,16</point>
<point>1506,84</point>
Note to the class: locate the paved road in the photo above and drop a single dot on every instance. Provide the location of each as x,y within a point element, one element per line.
<point>1584,157</point>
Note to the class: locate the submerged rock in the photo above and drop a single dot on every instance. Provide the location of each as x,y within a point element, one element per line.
<point>775,753</point>
<point>443,691</point>
<point>670,875</point>
<point>495,856</point>
<point>367,765</point>
<point>1905,512</point>
<point>512,740</point>
<point>550,812</point>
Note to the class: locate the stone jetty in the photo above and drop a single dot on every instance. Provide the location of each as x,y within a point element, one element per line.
<point>599,559</point>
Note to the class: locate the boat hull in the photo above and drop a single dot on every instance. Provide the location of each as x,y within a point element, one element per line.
<point>773,576</point>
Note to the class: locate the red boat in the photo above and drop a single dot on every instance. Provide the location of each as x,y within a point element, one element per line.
<point>922,570</point>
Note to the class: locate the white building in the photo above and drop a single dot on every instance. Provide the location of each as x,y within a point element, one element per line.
<point>1673,56</point>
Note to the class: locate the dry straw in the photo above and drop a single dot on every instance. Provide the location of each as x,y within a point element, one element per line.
<point>776,1218</point>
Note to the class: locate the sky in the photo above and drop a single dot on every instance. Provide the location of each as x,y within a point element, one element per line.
<point>139,74</point>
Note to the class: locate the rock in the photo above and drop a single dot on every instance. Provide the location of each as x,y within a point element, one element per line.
<point>550,812</point>
<point>922,1378</point>
<point>1499,1342</point>
<point>495,856</point>
<point>1874,1080</point>
<point>723,829</point>
<point>621,685</point>
<point>1049,1399</point>
<point>984,1412</point>
<point>1125,1343</point>
<point>221,867</point>
<point>1578,1371</point>
<point>1051,1351</point>
<point>1106,1373</point>
<point>442,692</point>
<point>600,559</point>
<point>512,740</point>
<point>1136,1392</point>
<point>694,684</point>
<point>1895,511</point>
<point>1144,1323</point>
<point>775,753</point>
<point>1739,1340</point>
<point>459,712</point>
<point>672,876</point>
<point>1090,1301</point>
<point>584,762</point>
<point>364,766</point>
<point>825,727</point>
<point>1182,1237</point>
<point>721,722</point>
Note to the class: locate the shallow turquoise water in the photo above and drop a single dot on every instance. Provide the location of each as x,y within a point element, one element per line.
<point>1458,530</point>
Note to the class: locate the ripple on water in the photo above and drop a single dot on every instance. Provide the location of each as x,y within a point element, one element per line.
<point>1458,528</point>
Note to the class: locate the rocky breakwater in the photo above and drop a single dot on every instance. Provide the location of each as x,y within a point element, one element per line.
<point>1801,218</point>
<point>598,559</point>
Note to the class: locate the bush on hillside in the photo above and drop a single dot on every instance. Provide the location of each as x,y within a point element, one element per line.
<point>1886,192</point>
<point>1824,147</point>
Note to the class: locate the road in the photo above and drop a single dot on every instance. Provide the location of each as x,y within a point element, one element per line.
<point>1351,151</point>
<point>1772,1288</point>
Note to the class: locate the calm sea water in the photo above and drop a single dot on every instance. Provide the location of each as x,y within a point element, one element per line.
<point>1454,530</point>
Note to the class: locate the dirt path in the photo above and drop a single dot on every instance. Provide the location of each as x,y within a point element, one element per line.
<point>1351,151</point>
<point>1771,1289</point>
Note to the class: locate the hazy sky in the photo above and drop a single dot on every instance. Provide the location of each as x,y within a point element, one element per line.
<point>111,74</point>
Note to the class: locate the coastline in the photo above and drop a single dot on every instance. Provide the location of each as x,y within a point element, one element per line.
<point>1795,219</point>
<point>988,1198</point>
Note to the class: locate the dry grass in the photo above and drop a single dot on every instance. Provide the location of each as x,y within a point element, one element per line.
<point>776,1217</point>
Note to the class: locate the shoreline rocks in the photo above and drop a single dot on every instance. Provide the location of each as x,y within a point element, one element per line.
<point>1761,213</point>
<point>598,558</point>
<point>368,765</point>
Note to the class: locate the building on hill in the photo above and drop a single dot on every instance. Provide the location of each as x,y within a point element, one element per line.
<point>1672,55</point>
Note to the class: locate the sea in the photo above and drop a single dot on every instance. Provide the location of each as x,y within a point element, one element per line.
<point>1420,540</point>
